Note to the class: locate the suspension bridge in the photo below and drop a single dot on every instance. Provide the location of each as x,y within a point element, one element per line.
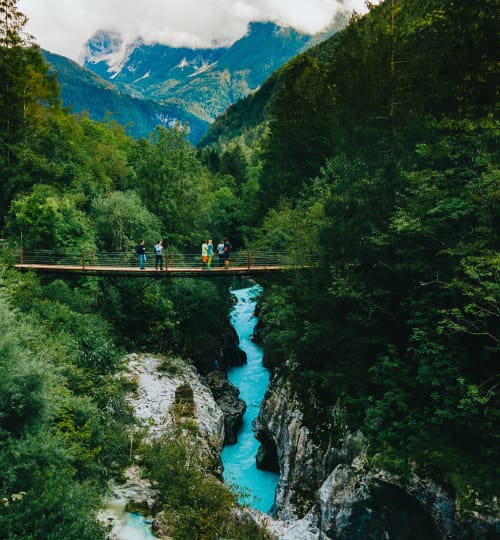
<point>99,263</point>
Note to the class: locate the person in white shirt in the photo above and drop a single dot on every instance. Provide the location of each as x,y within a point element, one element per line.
<point>204,254</point>
<point>159,255</point>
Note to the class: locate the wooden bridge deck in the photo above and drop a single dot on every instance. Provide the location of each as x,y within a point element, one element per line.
<point>178,271</point>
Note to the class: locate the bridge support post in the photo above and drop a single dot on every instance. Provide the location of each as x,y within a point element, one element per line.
<point>83,260</point>
<point>248,255</point>
<point>21,255</point>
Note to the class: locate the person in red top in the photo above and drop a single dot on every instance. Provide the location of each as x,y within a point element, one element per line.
<point>204,254</point>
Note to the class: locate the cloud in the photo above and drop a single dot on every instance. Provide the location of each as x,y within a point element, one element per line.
<point>63,26</point>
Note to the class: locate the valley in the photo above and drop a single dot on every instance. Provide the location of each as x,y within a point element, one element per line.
<point>368,161</point>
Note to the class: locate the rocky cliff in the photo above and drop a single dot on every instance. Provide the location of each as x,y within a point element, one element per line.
<point>333,493</point>
<point>156,383</point>
<point>232,407</point>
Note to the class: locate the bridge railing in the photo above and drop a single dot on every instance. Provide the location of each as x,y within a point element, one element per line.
<point>171,259</point>
<point>111,258</point>
<point>48,257</point>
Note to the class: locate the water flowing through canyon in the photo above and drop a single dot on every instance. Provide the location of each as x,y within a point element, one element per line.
<point>257,487</point>
<point>251,379</point>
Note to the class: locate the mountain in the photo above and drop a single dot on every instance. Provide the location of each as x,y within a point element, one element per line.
<point>83,91</point>
<point>249,114</point>
<point>141,85</point>
<point>201,82</point>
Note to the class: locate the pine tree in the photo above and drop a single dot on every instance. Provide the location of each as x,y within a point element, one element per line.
<point>26,91</point>
<point>12,24</point>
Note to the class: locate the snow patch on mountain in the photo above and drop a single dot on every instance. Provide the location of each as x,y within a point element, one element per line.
<point>205,66</point>
<point>145,76</point>
<point>108,47</point>
<point>182,64</point>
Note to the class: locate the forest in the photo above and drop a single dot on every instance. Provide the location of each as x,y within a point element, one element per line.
<point>376,150</point>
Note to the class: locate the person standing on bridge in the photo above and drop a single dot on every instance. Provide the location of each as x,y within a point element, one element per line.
<point>227,249</point>
<point>204,254</point>
<point>141,253</point>
<point>210,254</point>
<point>159,255</point>
<point>220,252</point>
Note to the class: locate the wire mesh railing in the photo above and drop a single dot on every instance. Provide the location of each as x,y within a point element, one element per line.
<point>53,258</point>
<point>249,259</point>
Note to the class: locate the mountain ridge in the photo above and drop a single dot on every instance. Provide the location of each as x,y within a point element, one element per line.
<point>145,85</point>
<point>204,81</point>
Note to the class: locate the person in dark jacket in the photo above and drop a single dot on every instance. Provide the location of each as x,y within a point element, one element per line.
<point>141,253</point>
<point>227,249</point>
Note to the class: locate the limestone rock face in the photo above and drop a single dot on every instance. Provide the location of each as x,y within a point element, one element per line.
<point>333,493</point>
<point>356,503</point>
<point>233,408</point>
<point>155,395</point>
<point>351,504</point>
<point>300,461</point>
<point>153,401</point>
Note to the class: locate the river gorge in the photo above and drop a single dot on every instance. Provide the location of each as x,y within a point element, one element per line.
<point>155,396</point>
<point>252,380</point>
<point>348,499</point>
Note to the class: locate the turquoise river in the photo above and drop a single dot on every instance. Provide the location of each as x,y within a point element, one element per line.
<point>258,487</point>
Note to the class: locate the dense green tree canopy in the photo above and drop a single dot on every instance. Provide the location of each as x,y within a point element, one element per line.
<point>399,326</point>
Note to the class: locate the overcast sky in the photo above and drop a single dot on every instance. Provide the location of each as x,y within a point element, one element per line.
<point>63,26</point>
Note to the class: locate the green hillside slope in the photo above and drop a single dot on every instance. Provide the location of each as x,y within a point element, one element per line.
<point>82,91</point>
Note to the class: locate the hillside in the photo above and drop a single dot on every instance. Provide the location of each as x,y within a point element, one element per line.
<point>251,112</point>
<point>82,91</point>
<point>378,150</point>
